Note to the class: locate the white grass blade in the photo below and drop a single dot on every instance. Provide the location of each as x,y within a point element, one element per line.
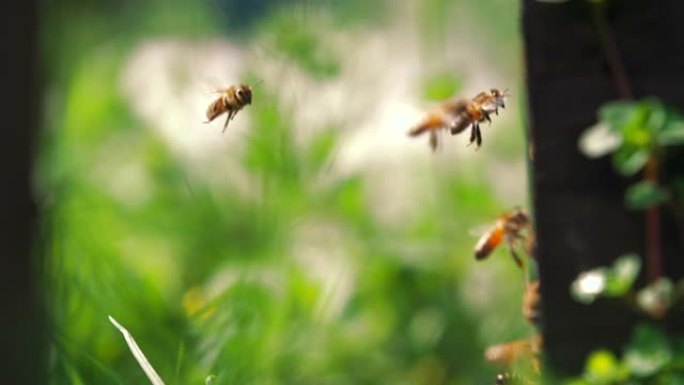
<point>138,354</point>
<point>209,380</point>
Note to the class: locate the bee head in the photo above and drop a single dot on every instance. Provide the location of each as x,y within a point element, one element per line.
<point>499,97</point>
<point>244,94</point>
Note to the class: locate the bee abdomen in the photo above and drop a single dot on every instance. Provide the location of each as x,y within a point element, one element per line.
<point>430,123</point>
<point>488,243</point>
<point>458,125</point>
<point>215,109</point>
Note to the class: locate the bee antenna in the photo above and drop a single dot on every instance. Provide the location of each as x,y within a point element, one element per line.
<point>259,82</point>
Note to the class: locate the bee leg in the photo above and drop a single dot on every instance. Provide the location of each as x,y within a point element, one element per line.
<point>514,254</point>
<point>433,140</point>
<point>478,136</point>
<point>487,118</point>
<point>473,133</point>
<point>230,116</point>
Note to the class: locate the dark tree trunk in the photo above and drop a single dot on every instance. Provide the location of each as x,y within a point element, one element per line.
<point>580,216</point>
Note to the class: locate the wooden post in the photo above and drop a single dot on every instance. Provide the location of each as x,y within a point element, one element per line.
<point>579,212</point>
<point>22,326</point>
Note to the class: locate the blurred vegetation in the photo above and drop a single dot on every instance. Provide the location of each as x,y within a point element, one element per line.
<point>654,353</point>
<point>636,133</point>
<point>211,280</point>
<point>643,136</point>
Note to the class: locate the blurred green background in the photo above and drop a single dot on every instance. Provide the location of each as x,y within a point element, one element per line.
<point>313,242</point>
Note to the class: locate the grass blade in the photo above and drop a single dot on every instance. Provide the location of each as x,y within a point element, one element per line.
<point>138,354</point>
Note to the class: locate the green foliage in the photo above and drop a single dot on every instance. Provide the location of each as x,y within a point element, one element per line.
<point>615,281</point>
<point>656,298</point>
<point>649,358</point>
<point>441,86</point>
<point>648,352</point>
<point>360,13</point>
<point>645,194</point>
<point>294,37</point>
<point>641,130</point>
<point>604,368</point>
<point>636,133</point>
<point>284,274</point>
<point>434,17</point>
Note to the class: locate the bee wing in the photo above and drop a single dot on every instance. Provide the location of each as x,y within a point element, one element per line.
<point>212,86</point>
<point>507,353</point>
<point>454,106</point>
<point>479,230</point>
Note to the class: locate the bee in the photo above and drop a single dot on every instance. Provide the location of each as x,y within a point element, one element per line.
<point>458,114</point>
<point>509,353</point>
<point>231,100</point>
<point>531,308</point>
<point>512,228</point>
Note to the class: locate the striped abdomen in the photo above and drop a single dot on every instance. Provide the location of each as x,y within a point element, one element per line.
<point>489,241</point>
<point>217,107</point>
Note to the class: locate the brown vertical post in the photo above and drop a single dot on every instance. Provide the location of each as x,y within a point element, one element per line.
<point>22,344</point>
<point>580,217</point>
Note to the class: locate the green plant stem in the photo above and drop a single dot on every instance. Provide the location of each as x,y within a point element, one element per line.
<point>652,169</point>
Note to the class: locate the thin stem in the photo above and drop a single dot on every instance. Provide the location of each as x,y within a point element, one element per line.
<point>652,169</point>
<point>610,49</point>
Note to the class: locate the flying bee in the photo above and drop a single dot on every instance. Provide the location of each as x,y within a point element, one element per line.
<point>456,115</point>
<point>531,308</point>
<point>230,100</point>
<point>509,353</point>
<point>513,228</point>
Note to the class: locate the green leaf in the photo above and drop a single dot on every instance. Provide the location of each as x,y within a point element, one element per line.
<point>648,351</point>
<point>616,114</point>
<point>629,160</point>
<point>622,275</point>
<point>656,298</point>
<point>672,134</point>
<point>645,194</point>
<point>603,368</point>
<point>638,130</point>
<point>614,281</point>
<point>655,114</point>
